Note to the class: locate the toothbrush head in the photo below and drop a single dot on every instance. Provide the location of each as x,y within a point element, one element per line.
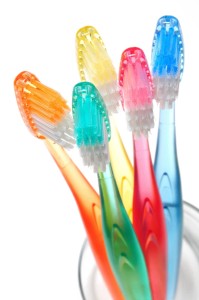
<point>43,110</point>
<point>96,66</point>
<point>91,125</point>
<point>136,90</point>
<point>167,60</point>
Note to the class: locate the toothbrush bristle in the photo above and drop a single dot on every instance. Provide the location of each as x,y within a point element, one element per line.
<point>167,60</point>
<point>92,126</point>
<point>137,90</point>
<point>43,110</point>
<point>96,66</point>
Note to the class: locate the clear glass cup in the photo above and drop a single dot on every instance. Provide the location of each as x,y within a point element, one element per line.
<point>91,283</point>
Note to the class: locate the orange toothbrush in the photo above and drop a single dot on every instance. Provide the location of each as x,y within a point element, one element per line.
<point>47,116</point>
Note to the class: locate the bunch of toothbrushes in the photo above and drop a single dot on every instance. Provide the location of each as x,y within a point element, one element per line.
<point>134,224</point>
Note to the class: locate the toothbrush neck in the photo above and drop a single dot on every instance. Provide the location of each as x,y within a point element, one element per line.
<point>109,194</point>
<point>167,116</point>
<point>167,131</point>
<point>108,173</point>
<point>140,144</point>
<point>143,167</point>
<point>142,156</point>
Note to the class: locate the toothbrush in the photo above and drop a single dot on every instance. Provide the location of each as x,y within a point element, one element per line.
<point>92,132</point>
<point>148,216</point>
<point>96,66</point>
<point>38,104</point>
<point>167,69</point>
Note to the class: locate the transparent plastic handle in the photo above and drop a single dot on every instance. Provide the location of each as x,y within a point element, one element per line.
<point>148,218</point>
<point>88,202</point>
<point>123,248</point>
<point>123,171</point>
<point>169,182</point>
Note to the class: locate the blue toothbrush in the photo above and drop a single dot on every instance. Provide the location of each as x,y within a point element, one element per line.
<point>167,69</point>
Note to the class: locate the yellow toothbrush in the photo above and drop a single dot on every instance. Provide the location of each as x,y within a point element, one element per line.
<point>95,65</point>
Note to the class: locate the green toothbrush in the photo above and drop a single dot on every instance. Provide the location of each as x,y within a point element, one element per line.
<point>92,133</point>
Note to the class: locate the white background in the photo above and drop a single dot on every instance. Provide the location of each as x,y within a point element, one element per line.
<point>41,233</point>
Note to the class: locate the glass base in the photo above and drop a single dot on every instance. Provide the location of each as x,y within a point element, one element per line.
<point>92,285</point>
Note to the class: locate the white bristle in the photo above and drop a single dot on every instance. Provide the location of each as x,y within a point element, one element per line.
<point>96,157</point>
<point>166,90</point>
<point>61,133</point>
<point>140,121</point>
<point>111,96</point>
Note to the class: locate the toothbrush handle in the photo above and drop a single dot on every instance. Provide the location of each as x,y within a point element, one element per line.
<point>88,203</point>
<point>123,249</point>
<point>148,216</point>
<point>123,172</point>
<point>169,182</point>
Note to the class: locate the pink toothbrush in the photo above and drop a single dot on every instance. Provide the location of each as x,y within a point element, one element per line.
<point>148,216</point>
